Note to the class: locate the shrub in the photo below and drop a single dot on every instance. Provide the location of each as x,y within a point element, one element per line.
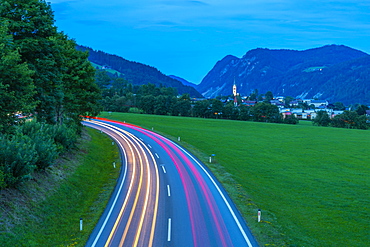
<point>45,147</point>
<point>291,119</point>
<point>18,159</point>
<point>65,137</point>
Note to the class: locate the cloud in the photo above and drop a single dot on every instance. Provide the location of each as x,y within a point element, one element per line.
<point>62,8</point>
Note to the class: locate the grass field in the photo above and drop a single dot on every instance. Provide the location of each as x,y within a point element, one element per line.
<point>47,211</point>
<point>311,183</point>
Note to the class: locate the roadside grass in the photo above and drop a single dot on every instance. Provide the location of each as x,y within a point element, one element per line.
<point>311,183</point>
<point>79,186</point>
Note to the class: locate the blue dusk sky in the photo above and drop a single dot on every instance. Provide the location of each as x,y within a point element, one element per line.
<point>187,37</point>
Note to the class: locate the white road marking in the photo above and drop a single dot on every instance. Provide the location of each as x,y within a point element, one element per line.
<point>164,169</point>
<point>149,146</point>
<point>169,230</point>
<point>157,155</point>
<point>168,190</point>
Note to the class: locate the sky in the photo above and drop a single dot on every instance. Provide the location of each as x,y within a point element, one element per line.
<point>187,37</point>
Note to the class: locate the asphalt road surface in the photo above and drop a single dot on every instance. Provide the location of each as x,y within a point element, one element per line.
<point>164,197</point>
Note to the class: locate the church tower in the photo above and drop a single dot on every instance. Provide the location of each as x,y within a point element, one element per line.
<point>234,93</point>
<point>234,89</point>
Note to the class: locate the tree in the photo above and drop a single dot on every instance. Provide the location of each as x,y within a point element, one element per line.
<point>63,77</point>
<point>287,101</point>
<point>182,106</point>
<point>254,95</point>
<point>81,93</point>
<point>31,24</point>
<point>322,119</point>
<point>244,113</point>
<point>361,109</point>
<point>147,104</point>
<point>350,120</point>
<point>216,108</point>
<point>268,97</point>
<point>264,112</point>
<point>200,108</point>
<point>160,105</point>
<point>16,85</point>
<point>102,79</point>
<point>339,106</point>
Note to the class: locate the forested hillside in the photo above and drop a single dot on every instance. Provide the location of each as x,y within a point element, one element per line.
<point>137,73</point>
<point>335,73</point>
<point>45,87</point>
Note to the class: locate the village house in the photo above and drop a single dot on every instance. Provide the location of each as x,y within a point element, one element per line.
<point>277,102</point>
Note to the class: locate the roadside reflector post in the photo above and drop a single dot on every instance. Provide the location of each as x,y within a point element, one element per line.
<point>259,215</point>
<point>178,138</point>
<point>112,143</point>
<point>81,223</point>
<point>152,128</point>
<point>114,164</point>
<point>210,158</point>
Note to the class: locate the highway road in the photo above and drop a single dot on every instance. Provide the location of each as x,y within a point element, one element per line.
<point>164,197</point>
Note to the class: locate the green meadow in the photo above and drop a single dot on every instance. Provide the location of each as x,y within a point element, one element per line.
<point>311,183</point>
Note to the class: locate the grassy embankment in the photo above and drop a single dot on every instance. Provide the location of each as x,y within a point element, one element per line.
<point>311,183</point>
<point>47,210</point>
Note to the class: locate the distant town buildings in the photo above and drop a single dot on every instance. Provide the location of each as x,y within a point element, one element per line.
<point>312,106</point>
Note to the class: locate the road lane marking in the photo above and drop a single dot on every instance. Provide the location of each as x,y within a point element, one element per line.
<point>169,230</point>
<point>168,190</point>
<point>149,146</point>
<point>157,155</point>
<point>164,169</point>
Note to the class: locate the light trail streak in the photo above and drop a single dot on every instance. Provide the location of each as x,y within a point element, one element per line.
<point>116,197</point>
<point>155,210</point>
<point>129,189</point>
<point>131,143</point>
<point>184,163</point>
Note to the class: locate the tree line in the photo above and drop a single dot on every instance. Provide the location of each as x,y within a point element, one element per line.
<point>348,119</point>
<point>43,77</point>
<point>121,96</point>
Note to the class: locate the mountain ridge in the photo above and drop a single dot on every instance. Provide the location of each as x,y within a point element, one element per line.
<point>183,81</point>
<point>325,72</point>
<point>137,73</point>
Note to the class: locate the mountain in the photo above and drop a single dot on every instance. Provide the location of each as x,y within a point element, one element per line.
<point>336,73</point>
<point>136,73</point>
<point>183,81</point>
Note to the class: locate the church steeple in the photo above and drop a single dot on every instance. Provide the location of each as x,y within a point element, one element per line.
<point>234,93</point>
<point>234,89</point>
